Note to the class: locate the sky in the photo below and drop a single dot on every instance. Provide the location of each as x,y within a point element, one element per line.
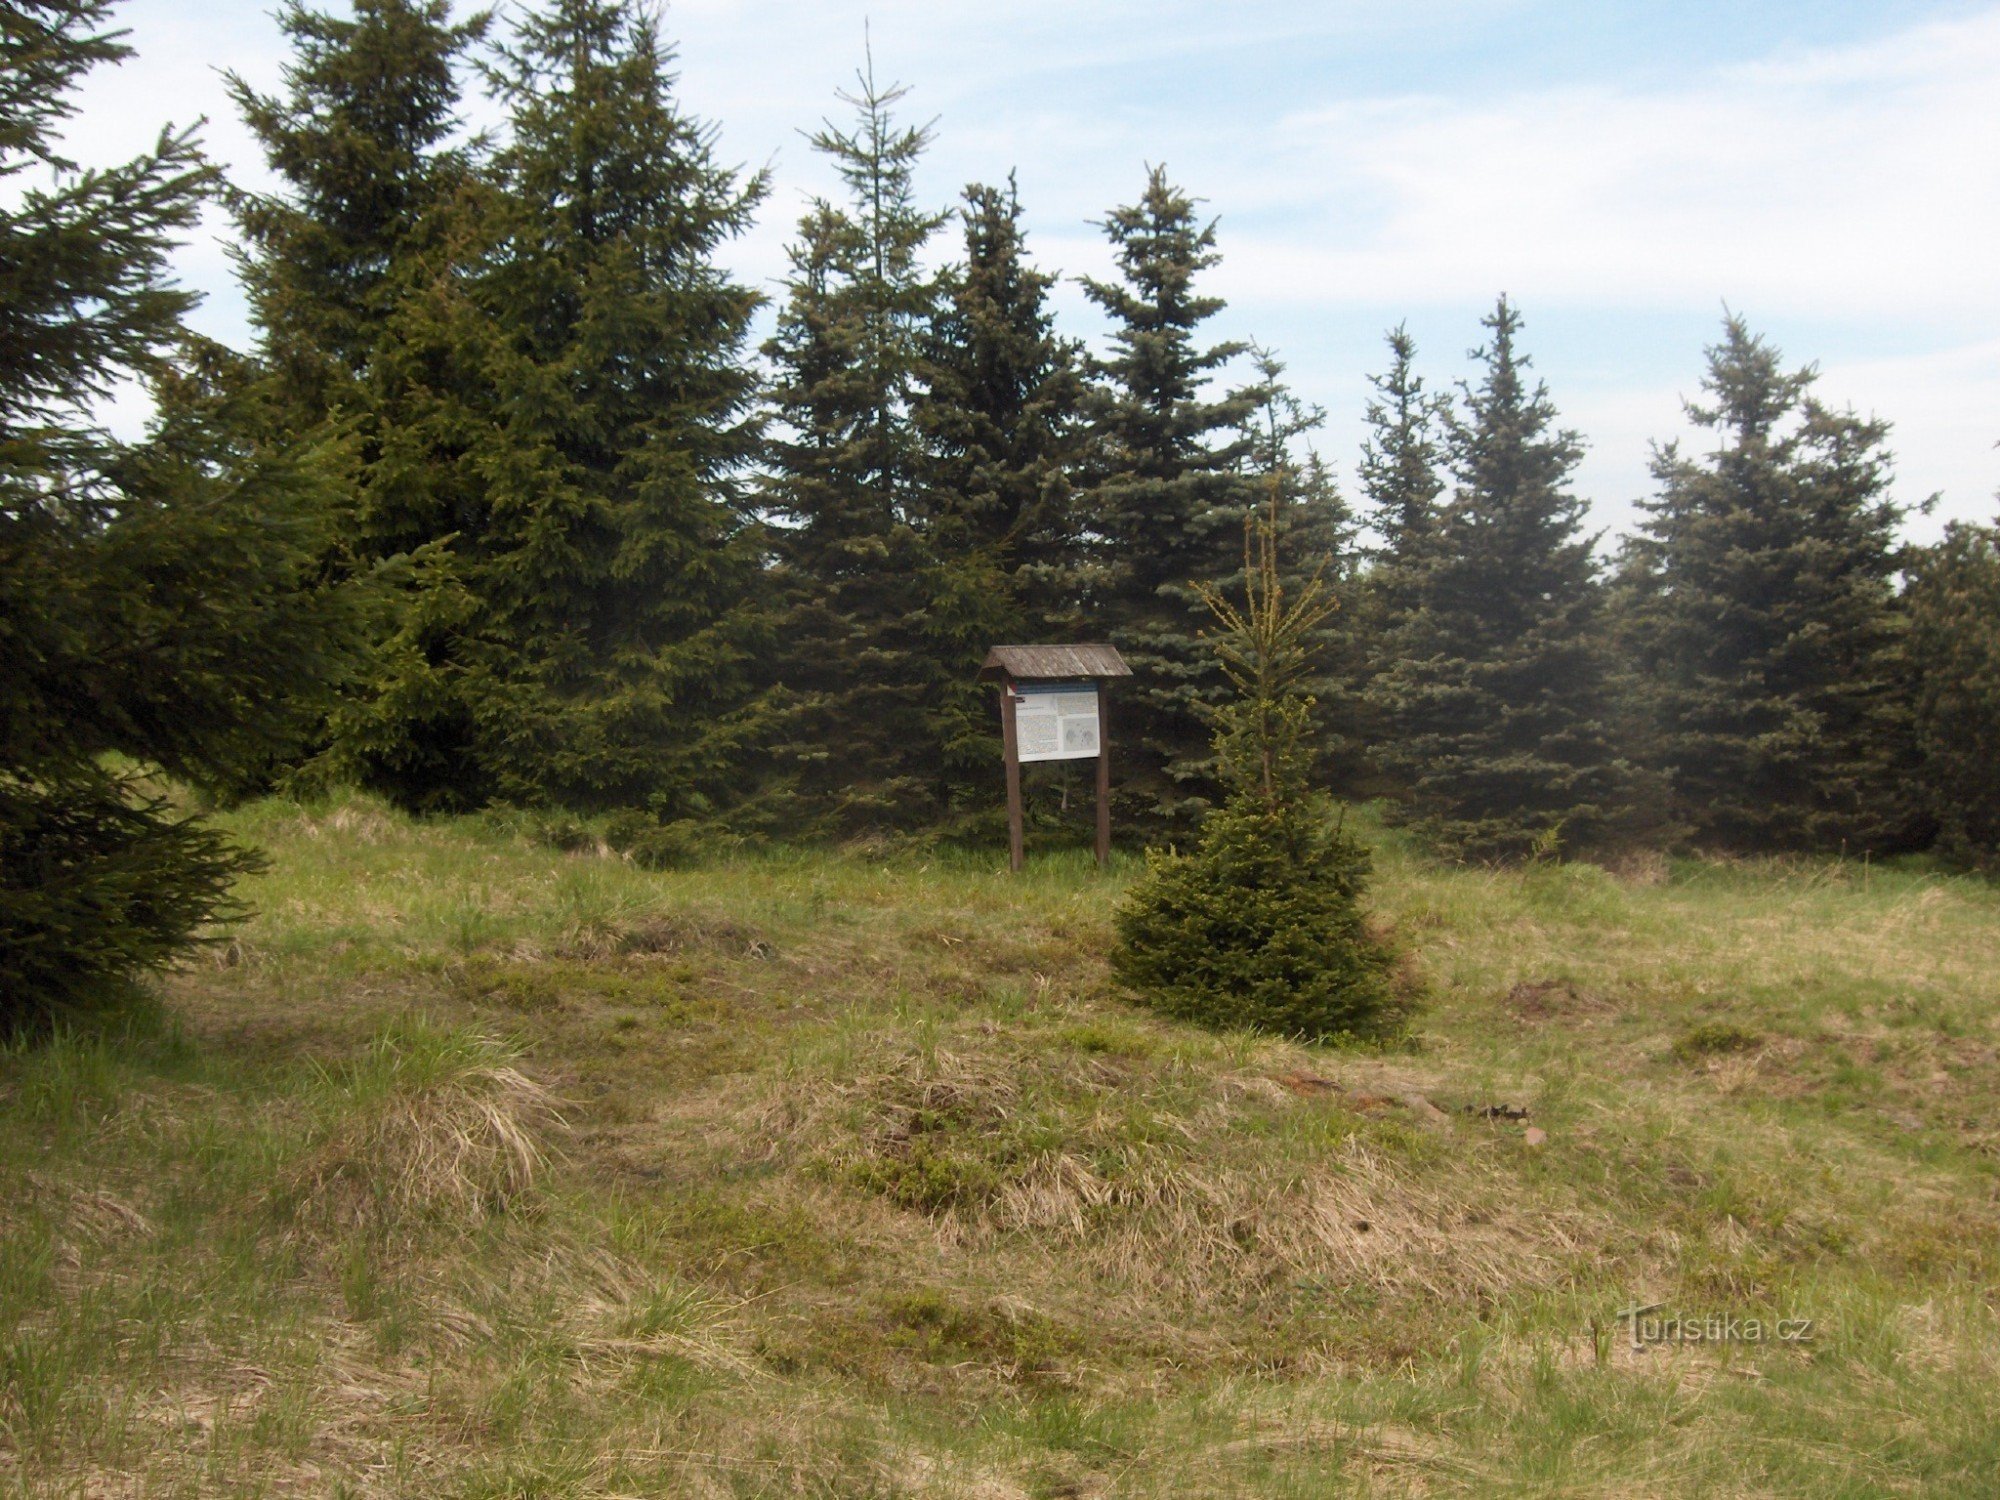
<point>1625,172</point>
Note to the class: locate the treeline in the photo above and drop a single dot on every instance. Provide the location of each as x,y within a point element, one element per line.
<point>507,504</point>
<point>655,568</point>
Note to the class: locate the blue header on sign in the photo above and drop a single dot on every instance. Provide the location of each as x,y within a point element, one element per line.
<point>1081,685</point>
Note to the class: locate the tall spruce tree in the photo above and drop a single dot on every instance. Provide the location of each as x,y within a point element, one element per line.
<point>1401,477</point>
<point>1001,416</point>
<point>427,409</point>
<point>1762,615</point>
<point>847,483</point>
<point>1502,714</point>
<point>1166,507</point>
<point>359,272</point>
<point>619,561</point>
<point>159,600</point>
<point>1002,412</point>
<point>364,140</point>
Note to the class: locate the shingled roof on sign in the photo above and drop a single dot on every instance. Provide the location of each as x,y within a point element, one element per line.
<point>1053,663</point>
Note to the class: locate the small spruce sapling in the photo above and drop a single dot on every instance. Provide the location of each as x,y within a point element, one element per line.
<point>1262,925</point>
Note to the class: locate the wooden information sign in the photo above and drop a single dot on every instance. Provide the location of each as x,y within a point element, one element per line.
<point>1052,708</point>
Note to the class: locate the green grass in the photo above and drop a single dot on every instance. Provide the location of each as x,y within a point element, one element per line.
<point>476,1166</point>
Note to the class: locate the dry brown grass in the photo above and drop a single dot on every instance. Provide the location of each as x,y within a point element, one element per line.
<point>1140,1173</point>
<point>431,1123</point>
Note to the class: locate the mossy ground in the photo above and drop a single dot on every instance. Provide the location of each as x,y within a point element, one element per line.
<point>862,1181</point>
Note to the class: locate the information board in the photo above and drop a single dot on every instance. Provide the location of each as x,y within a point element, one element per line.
<point>1056,722</point>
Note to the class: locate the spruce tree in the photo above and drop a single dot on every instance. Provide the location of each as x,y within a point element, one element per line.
<point>1401,480</point>
<point>1762,616</point>
<point>1500,699</point>
<point>160,603</point>
<point>363,139</point>
<point>1261,925</point>
<point>359,272</point>
<point>619,560</point>
<point>859,745</point>
<point>557,414</point>
<point>1166,508</point>
<point>1954,607</point>
<point>1000,414</point>
<point>428,408</point>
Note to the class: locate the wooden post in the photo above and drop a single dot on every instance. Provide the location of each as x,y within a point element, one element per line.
<point>1016,849</point>
<point>1103,777</point>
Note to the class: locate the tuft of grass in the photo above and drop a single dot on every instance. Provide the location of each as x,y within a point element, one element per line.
<point>430,1123</point>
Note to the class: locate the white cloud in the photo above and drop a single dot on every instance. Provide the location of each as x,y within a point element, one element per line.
<point>1860,181</point>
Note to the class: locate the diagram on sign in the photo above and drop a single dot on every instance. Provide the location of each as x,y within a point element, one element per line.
<point>1058,724</point>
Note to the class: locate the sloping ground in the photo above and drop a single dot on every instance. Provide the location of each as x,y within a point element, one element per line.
<point>477,1167</point>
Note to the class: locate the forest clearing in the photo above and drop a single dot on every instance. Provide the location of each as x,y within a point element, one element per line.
<point>680,818</point>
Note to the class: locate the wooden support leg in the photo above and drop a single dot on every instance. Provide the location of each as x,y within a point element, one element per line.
<point>1103,782</point>
<point>1016,846</point>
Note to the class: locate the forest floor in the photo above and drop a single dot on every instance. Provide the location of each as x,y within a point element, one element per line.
<point>471,1166</point>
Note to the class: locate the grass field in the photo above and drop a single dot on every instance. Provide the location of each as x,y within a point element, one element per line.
<point>475,1167</point>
